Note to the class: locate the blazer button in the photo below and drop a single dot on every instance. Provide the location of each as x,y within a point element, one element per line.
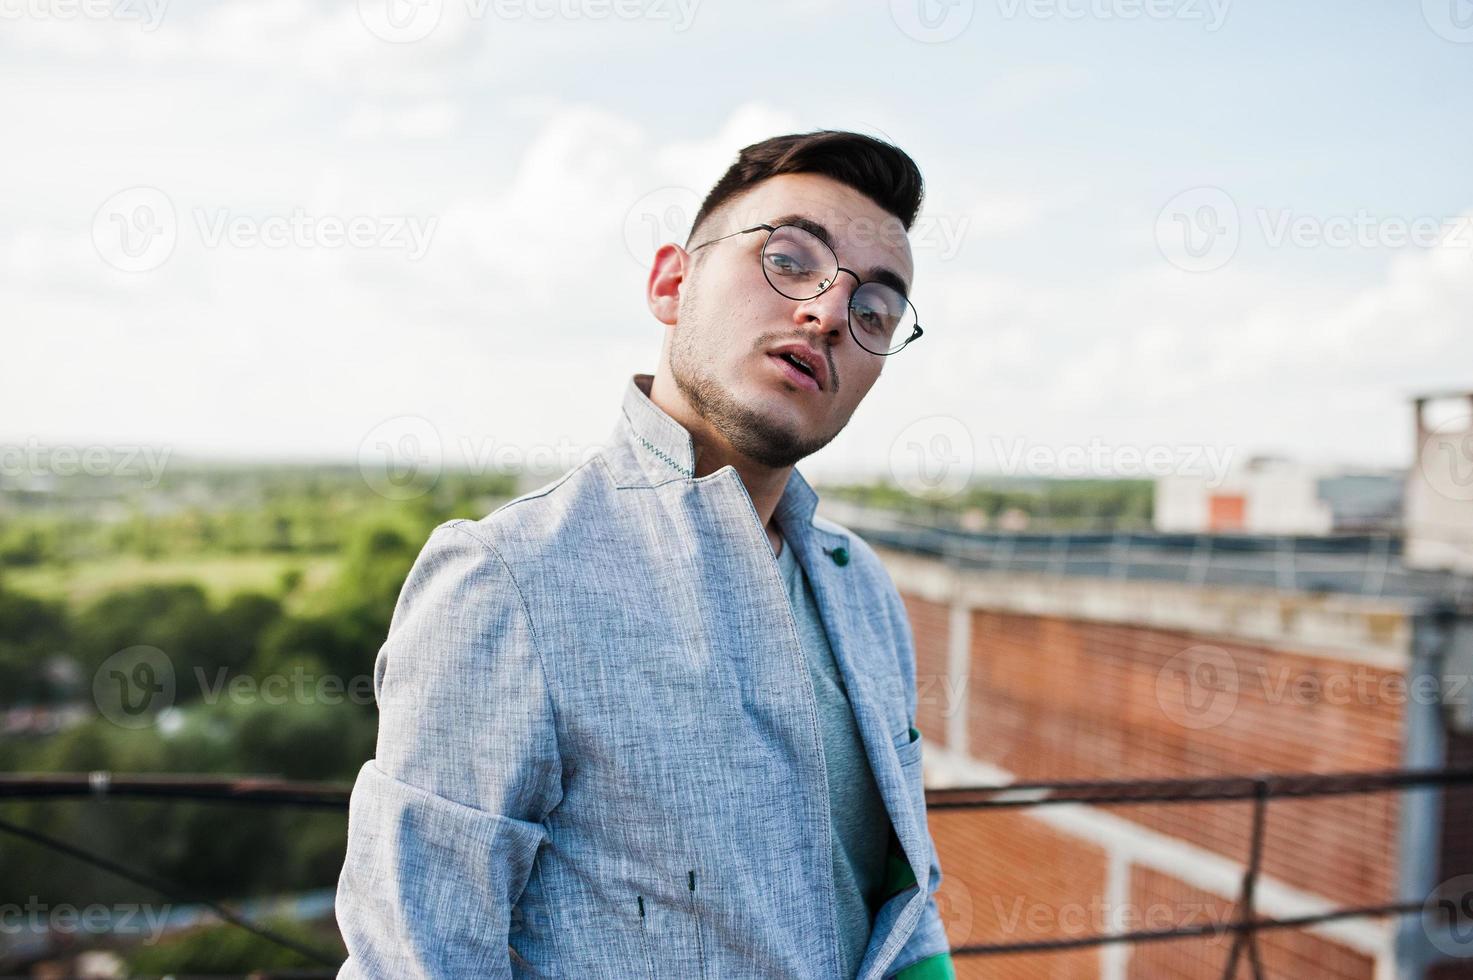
<point>840,555</point>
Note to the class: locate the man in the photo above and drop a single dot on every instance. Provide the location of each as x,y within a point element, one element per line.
<point>656,719</point>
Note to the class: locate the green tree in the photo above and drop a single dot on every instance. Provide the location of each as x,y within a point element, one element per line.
<point>32,632</point>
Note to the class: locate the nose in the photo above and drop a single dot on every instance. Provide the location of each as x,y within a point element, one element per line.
<point>828,312</point>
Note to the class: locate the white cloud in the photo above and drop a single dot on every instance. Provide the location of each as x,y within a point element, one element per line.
<point>1241,358</point>
<point>551,177</point>
<point>426,120</point>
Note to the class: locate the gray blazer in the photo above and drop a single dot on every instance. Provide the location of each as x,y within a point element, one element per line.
<point>598,749</point>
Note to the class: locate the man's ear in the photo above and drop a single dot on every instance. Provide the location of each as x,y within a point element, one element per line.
<point>667,275</point>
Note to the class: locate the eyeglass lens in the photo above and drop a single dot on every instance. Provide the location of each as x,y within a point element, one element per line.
<point>800,265</point>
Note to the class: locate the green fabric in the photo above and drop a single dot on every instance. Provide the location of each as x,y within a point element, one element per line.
<point>938,967</point>
<point>898,873</point>
<point>898,877</point>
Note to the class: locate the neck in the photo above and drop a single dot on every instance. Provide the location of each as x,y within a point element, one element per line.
<point>764,484</point>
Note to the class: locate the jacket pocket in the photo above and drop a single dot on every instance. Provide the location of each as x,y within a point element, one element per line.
<point>669,921</point>
<point>908,745</point>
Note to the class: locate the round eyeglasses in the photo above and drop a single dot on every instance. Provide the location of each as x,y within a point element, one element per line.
<point>800,265</point>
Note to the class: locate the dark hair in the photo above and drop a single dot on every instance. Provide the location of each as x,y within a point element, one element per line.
<point>882,172</point>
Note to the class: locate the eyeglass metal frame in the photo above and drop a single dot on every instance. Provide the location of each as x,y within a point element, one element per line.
<point>916,331</point>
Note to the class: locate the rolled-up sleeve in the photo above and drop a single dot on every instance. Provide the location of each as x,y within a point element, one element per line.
<point>445,821</point>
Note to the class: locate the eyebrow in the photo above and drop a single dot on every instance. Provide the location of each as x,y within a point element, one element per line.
<point>880,274</point>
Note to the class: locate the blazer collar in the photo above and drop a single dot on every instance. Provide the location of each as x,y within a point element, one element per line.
<point>666,451</point>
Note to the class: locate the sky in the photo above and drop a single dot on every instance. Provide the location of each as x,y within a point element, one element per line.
<point>1156,233</point>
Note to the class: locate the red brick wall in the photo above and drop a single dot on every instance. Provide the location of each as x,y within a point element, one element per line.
<point>1008,878</point>
<point>1169,903</point>
<point>1052,698</point>
<point>930,625</point>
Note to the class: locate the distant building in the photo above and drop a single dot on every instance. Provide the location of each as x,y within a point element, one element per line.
<point>1272,495</point>
<point>1439,487</point>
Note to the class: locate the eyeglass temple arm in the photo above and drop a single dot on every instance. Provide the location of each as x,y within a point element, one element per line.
<point>744,231</point>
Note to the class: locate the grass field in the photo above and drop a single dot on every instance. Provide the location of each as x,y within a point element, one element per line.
<point>219,575</point>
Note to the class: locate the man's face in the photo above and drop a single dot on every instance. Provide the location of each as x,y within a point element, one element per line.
<point>730,320</point>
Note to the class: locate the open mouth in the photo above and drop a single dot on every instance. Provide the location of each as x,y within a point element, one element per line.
<point>797,371</point>
<point>797,364</point>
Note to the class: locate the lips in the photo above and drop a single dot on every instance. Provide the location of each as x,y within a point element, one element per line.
<point>803,362</point>
<point>793,374</point>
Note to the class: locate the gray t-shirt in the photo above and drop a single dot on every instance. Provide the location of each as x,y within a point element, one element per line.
<point>861,826</point>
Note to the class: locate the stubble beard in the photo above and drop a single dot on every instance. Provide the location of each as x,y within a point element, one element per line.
<point>751,433</point>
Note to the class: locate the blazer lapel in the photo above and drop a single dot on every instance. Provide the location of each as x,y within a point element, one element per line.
<point>841,605</point>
